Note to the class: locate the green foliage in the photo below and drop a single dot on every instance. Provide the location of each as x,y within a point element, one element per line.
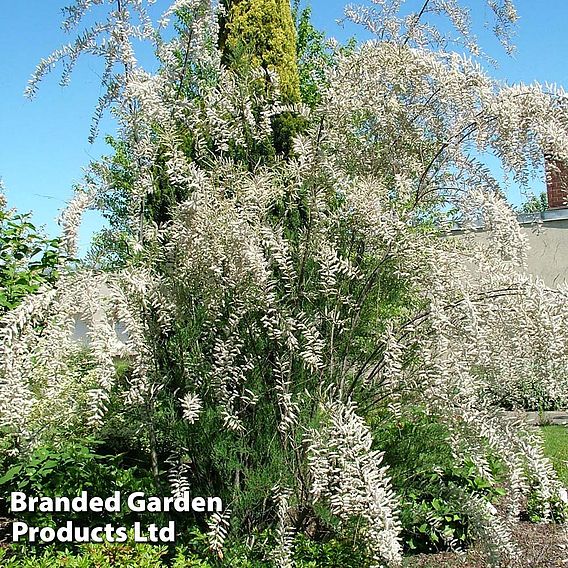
<point>529,395</point>
<point>537,509</point>
<point>263,38</point>
<point>312,54</point>
<point>67,470</point>
<point>104,555</point>
<point>28,259</point>
<point>330,553</point>
<point>263,32</point>
<point>241,449</point>
<point>109,247</point>
<point>194,553</point>
<point>285,127</point>
<point>432,487</point>
<point>534,203</point>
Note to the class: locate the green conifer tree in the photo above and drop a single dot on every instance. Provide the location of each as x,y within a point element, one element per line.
<point>263,32</point>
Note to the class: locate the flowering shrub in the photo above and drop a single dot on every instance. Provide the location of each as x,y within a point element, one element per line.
<point>287,307</point>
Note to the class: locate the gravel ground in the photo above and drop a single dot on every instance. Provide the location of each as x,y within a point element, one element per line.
<point>541,546</point>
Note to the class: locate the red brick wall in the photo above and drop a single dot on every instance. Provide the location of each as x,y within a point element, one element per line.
<point>556,183</point>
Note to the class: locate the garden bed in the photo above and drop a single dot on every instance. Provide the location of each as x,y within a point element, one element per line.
<point>540,546</point>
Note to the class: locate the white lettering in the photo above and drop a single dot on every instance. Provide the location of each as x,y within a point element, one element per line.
<point>59,504</point>
<point>96,505</point>
<point>138,536</point>
<point>198,504</point>
<point>95,534</point>
<point>112,504</point>
<point>47,534</point>
<point>80,503</point>
<point>168,534</point>
<point>18,529</point>
<point>17,502</point>
<point>214,504</point>
<point>121,535</point>
<point>136,503</point>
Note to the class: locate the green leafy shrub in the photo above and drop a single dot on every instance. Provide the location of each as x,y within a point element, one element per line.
<point>432,487</point>
<point>528,394</point>
<point>553,509</point>
<point>67,470</point>
<point>88,556</point>
<point>328,554</point>
<point>534,203</point>
<point>28,259</point>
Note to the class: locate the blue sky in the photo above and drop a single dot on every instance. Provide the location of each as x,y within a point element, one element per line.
<point>44,147</point>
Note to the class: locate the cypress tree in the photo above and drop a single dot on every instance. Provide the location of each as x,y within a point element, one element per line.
<point>263,32</point>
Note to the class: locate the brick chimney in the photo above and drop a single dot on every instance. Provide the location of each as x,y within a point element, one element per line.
<point>556,182</point>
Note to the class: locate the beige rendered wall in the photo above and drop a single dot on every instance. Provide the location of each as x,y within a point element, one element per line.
<point>548,253</point>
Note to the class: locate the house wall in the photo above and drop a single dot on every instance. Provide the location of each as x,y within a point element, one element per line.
<point>548,254</point>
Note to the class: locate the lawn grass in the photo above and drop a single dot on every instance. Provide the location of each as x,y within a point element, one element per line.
<point>556,448</point>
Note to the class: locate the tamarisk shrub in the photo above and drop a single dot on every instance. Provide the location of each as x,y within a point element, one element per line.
<point>286,308</point>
